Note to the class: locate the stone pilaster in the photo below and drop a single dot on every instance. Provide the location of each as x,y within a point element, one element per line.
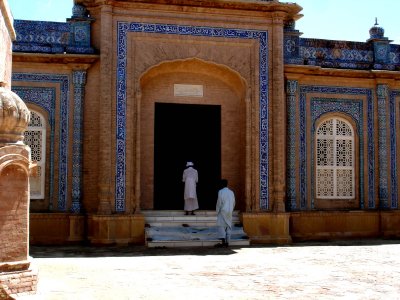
<point>138,151</point>
<point>382,92</point>
<point>278,116</point>
<point>291,93</point>
<point>105,114</point>
<point>248,199</point>
<point>79,81</point>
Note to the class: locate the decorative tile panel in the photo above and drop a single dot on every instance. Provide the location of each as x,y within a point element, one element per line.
<point>79,81</point>
<point>52,37</point>
<point>342,54</point>
<point>291,91</point>
<point>45,98</point>
<point>354,109</point>
<point>202,31</point>
<point>63,81</point>
<point>394,127</point>
<point>382,92</point>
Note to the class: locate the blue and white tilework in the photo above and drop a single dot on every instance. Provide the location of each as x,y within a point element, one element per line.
<point>124,28</point>
<point>353,108</point>
<point>52,37</point>
<point>79,81</point>
<point>342,54</point>
<point>43,97</point>
<point>37,95</point>
<point>291,91</point>
<point>394,127</point>
<point>383,92</point>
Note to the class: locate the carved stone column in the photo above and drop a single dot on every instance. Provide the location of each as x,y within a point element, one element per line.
<point>79,81</point>
<point>16,272</point>
<point>383,112</point>
<point>278,115</point>
<point>105,114</point>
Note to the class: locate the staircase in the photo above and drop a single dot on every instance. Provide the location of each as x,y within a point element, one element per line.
<point>172,228</point>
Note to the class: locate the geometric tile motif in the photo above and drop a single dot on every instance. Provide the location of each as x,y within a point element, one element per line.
<point>353,108</point>
<point>43,97</point>
<point>52,37</point>
<point>63,81</point>
<point>394,127</point>
<point>291,90</point>
<point>382,92</point>
<point>78,81</point>
<point>123,28</point>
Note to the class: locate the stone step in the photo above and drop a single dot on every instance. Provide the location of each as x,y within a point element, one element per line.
<point>199,243</point>
<point>172,228</point>
<point>191,236</point>
<point>177,218</point>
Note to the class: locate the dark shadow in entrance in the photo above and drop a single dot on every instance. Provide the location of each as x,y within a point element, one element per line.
<point>186,132</point>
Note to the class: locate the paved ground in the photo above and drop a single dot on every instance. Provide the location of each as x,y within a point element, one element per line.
<point>345,270</point>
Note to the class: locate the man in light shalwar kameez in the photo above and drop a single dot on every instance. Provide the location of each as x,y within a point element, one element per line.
<point>190,178</point>
<point>225,207</point>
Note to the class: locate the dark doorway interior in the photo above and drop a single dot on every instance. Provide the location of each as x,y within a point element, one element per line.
<point>186,132</point>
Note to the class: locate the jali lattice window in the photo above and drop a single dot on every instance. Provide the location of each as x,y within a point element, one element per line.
<point>335,160</point>
<point>35,137</point>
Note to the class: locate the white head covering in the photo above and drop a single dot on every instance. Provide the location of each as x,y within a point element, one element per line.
<point>189,164</point>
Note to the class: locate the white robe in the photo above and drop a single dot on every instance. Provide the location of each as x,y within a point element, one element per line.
<point>225,206</point>
<point>190,178</point>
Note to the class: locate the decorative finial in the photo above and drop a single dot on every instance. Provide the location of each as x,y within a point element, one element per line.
<point>376,21</point>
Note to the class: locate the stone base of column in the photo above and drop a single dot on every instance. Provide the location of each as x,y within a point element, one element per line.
<point>76,228</point>
<point>104,208</point>
<point>267,228</point>
<point>17,279</point>
<point>116,229</point>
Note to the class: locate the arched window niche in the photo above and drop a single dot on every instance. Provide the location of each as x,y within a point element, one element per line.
<point>336,162</point>
<point>35,138</point>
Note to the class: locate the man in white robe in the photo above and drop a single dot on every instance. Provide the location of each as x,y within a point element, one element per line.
<point>190,178</point>
<point>225,207</point>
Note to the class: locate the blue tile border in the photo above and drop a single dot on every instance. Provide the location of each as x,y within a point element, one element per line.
<point>123,29</point>
<point>46,99</point>
<point>393,148</point>
<point>63,81</point>
<point>304,90</point>
<point>354,109</point>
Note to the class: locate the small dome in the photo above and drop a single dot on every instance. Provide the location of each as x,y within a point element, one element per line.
<point>376,32</point>
<point>79,11</point>
<point>14,117</point>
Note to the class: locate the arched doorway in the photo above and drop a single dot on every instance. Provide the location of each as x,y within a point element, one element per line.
<point>182,133</point>
<point>204,121</point>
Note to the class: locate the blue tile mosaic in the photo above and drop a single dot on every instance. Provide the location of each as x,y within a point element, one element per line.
<point>383,93</point>
<point>63,81</point>
<point>354,109</point>
<point>394,127</point>
<point>45,98</point>
<point>52,37</point>
<point>79,81</point>
<point>291,91</point>
<point>123,29</point>
<point>341,54</point>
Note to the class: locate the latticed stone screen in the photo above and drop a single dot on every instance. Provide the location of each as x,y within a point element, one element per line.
<point>35,137</point>
<point>335,160</point>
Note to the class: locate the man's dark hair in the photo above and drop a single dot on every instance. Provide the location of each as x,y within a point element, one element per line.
<point>224,183</point>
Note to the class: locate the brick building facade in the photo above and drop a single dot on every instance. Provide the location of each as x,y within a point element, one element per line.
<point>124,92</point>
